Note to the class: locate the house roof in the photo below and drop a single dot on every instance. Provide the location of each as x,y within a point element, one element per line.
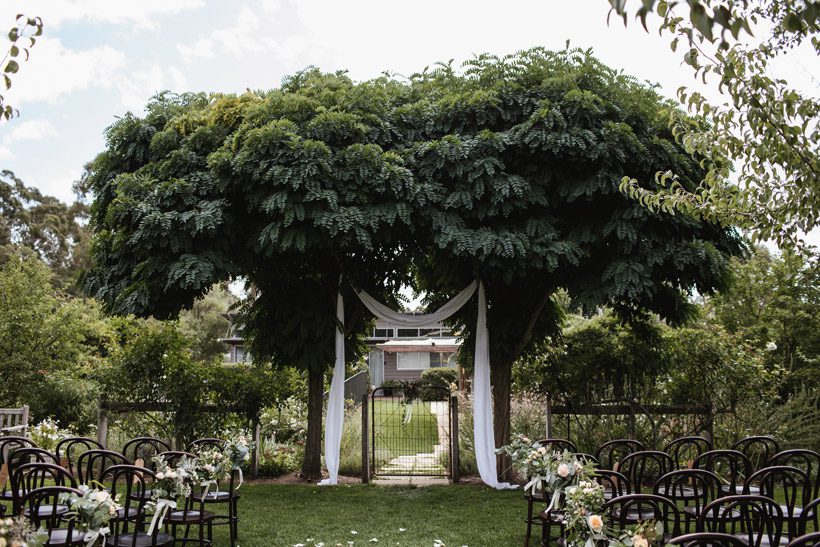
<point>444,344</point>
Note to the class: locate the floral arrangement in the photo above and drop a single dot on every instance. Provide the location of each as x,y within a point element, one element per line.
<point>583,504</point>
<point>48,433</point>
<point>172,483</point>
<point>18,532</point>
<point>548,471</point>
<point>643,534</point>
<point>94,509</point>
<point>238,449</point>
<point>211,465</point>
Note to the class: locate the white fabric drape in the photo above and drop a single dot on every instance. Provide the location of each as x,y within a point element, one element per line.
<point>414,321</point>
<point>483,433</point>
<point>482,398</point>
<point>336,401</point>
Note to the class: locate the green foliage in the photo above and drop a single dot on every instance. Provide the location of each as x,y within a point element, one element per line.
<point>205,323</point>
<point>774,305</point>
<point>69,399</point>
<point>767,128</point>
<point>45,227</point>
<point>23,35</point>
<point>42,331</point>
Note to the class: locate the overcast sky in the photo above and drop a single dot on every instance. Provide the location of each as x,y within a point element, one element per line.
<point>101,58</point>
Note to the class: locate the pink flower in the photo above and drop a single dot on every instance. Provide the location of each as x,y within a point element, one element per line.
<point>596,523</point>
<point>563,470</point>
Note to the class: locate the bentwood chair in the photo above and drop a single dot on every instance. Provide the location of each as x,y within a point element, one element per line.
<point>18,457</point>
<point>556,445</point>
<point>732,466</point>
<point>685,450</point>
<point>630,509</point>
<point>44,510</point>
<point>7,445</point>
<point>193,513</point>
<point>806,460</point>
<point>645,467</point>
<point>225,493</point>
<point>758,449</point>
<point>141,450</point>
<point>707,539</point>
<point>689,489</point>
<point>30,476</point>
<point>68,450</point>
<point>789,486</point>
<point>755,519</point>
<point>92,464</point>
<point>612,452</point>
<point>809,517</point>
<point>129,485</point>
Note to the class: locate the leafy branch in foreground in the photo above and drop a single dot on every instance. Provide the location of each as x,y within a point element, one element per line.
<point>22,37</point>
<point>766,129</point>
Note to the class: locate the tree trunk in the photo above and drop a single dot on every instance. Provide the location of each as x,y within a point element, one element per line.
<point>501,379</point>
<point>312,462</point>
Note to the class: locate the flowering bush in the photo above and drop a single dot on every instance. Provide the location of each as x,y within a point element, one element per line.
<point>94,509</point>
<point>48,433</point>
<point>18,532</point>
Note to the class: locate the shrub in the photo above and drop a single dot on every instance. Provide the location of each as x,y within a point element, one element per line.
<point>435,382</point>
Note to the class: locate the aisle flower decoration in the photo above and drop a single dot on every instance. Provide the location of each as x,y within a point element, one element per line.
<point>211,467</point>
<point>643,534</point>
<point>93,509</point>
<point>19,532</point>
<point>172,486</point>
<point>238,451</point>
<point>582,513</point>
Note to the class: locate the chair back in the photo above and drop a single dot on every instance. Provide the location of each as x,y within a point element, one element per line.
<point>758,518</point>
<point>92,464</point>
<point>13,421</point>
<point>807,540</point>
<point>173,457</point>
<point>612,452</point>
<point>45,511</point>
<point>758,448</point>
<point>20,456</point>
<point>10,443</point>
<point>129,486</point>
<point>801,458</point>
<point>615,484</point>
<point>629,509</point>
<point>207,443</point>
<point>707,539</point>
<point>144,448</point>
<point>68,450</point>
<point>694,488</point>
<point>809,517</point>
<point>685,450</point>
<point>732,466</point>
<point>645,467</point>
<point>31,476</point>
<point>788,485</point>
<point>558,445</point>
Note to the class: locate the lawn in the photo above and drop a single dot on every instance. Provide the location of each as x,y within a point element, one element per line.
<point>397,435</point>
<point>287,515</point>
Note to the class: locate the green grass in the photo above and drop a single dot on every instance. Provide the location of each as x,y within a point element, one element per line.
<point>285,515</point>
<point>394,437</point>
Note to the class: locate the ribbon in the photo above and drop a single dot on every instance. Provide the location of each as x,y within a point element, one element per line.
<point>241,479</point>
<point>159,515</point>
<point>207,485</point>
<point>534,485</point>
<point>92,536</point>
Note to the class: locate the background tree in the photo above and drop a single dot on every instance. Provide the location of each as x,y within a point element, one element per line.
<point>768,129</point>
<point>43,225</point>
<point>205,323</point>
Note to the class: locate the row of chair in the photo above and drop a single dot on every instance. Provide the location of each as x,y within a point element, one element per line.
<point>38,477</point>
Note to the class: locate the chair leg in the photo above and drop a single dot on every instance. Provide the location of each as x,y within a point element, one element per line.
<point>529,523</point>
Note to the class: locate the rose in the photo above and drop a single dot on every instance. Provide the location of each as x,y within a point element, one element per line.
<point>596,523</point>
<point>639,541</point>
<point>563,470</point>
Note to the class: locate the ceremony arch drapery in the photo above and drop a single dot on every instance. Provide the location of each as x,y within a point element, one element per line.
<point>484,438</point>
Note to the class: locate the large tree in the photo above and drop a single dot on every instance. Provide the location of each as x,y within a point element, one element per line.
<point>524,155</point>
<point>507,171</point>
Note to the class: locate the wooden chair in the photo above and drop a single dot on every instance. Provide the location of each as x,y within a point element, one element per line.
<point>144,449</point>
<point>756,519</point>
<point>18,457</point>
<point>758,449</point>
<point>9,444</point>
<point>31,476</point>
<point>91,464</point>
<point>645,467</point>
<point>630,509</point>
<point>225,493</point>
<point>691,490</point>
<point>130,485</point>
<point>558,445</point>
<point>732,466</point>
<point>13,421</point>
<point>612,452</point>
<point>787,485</point>
<point>45,511</point>
<point>685,450</point>
<point>66,450</point>
<point>801,458</point>
<point>193,513</point>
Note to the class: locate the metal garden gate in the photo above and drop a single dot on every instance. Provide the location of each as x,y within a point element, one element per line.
<point>413,432</point>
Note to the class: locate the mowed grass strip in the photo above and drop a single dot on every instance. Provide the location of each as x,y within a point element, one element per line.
<point>287,515</point>
<point>394,437</point>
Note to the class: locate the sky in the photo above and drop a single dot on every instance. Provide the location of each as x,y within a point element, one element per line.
<point>99,59</point>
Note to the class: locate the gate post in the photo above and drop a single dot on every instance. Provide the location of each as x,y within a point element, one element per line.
<point>365,437</point>
<point>454,456</point>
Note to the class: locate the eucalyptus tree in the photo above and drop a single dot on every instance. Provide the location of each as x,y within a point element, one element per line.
<point>523,156</point>
<point>291,190</point>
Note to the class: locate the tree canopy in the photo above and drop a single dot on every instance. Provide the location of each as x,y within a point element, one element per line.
<point>507,170</point>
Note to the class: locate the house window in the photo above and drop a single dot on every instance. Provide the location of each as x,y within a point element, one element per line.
<point>408,333</point>
<point>412,360</point>
<point>443,360</point>
<point>382,333</point>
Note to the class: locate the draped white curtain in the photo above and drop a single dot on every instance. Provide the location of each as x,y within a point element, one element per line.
<point>482,399</point>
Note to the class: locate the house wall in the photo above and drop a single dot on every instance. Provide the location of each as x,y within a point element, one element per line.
<point>391,372</point>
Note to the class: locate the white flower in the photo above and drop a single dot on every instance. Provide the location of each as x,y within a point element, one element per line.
<point>639,541</point>
<point>596,523</point>
<point>103,496</point>
<point>563,470</point>
<point>354,532</point>
<point>160,475</point>
<point>402,529</point>
<point>771,346</point>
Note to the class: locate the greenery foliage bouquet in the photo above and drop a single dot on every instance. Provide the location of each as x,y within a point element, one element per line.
<point>18,532</point>
<point>583,505</point>
<point>94,509</point>
<point>238,449</point>
<point>172,485</point>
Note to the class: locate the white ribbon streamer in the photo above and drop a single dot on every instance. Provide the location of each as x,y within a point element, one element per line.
<point>241,479</point>
<point>163,506</point>
<point>92,536</point>
<point>336,401</point>
<point>207,485</point>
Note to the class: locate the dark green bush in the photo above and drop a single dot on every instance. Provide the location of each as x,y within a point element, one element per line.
<point>435,383</point>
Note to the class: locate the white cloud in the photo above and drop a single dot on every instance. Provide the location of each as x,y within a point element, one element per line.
<point>138,86</point>
<point>33,130</point>
<point>248,34</point>
<point>54,71</point>
<point>106,12</point>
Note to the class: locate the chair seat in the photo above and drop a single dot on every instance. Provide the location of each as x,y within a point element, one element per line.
<point>795,512</point>
<point>46,511</point>
<point>554,517</point>
<point>141,540</point>
<point>692,511</point>
<point>132,512</point>
<point>59,536</point>
<point>218,496</point>
<point>8,495</point>
<point>635,515</point>
<point>190,517</point>
<point>146,495</point>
